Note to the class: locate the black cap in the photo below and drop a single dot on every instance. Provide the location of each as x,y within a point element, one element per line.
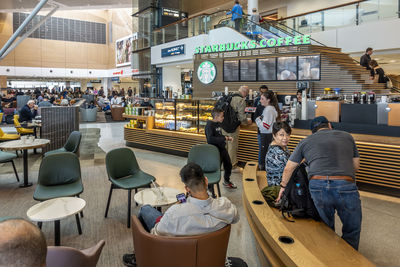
<point>318,121</point>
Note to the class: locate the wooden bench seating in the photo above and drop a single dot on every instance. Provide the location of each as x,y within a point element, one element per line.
<point>314,244</point>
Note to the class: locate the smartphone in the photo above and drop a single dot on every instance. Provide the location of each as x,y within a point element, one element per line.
<point>181,197</point>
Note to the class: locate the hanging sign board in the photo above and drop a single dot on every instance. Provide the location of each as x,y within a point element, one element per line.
<point>173,51</point>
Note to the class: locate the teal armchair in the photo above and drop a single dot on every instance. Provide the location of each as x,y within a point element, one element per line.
<point>207,157</point>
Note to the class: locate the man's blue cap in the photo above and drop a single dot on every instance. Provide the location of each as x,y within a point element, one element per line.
<point>318,121</point>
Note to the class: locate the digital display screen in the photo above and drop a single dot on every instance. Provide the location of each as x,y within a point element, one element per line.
<point>267,69</point>
<point>248,70</point>
<point>309,67</point>
<point>231,70</point>
<point>287,68</point>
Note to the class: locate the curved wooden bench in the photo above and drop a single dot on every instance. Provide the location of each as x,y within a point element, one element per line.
<point>315,244</point>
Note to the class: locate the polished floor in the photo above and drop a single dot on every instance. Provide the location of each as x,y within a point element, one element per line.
<point>379,237</point>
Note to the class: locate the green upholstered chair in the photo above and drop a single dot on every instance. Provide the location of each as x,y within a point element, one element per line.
<point>59,176</point>
<point>9,157</point>
<point>124,173</point>
<point>207,157</point>
<point>72,144</point>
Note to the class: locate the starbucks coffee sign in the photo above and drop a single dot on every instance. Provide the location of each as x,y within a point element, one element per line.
<point>206,72</point>
<point>245,45</point>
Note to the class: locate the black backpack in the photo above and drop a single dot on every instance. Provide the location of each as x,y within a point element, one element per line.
<point>231,121</point>
<point>296,199</point>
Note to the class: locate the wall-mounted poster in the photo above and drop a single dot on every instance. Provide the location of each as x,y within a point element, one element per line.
<point>248,69</point>
<point>231,70</point>
<point>267,69</point>
<point>123,50</point>
<point>309,67</point>
<point>287,68</point>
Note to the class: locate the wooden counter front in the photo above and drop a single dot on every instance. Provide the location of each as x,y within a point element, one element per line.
<point>394,114</point>
<point>379,155</point>
<point>329,109</point>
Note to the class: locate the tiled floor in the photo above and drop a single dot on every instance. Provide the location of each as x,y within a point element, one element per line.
<point>379,237</point>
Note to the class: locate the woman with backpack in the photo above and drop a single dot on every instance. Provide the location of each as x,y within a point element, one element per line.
<point>264,122</point>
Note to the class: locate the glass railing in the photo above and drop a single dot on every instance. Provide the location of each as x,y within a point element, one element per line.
<point>204,23</point>
<point>201,24</point>
<point>350,15</point>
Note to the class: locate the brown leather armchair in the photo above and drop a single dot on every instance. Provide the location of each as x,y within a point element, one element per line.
<point>208,250</point>
<point>67,256</point>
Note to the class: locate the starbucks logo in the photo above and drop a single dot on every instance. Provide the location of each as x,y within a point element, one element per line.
<point>207,72</point>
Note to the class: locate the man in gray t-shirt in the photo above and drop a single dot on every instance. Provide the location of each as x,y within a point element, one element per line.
<point>333,159</point>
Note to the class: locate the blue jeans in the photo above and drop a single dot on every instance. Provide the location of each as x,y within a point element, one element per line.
<point>148,216</point>
<point>342,196</point>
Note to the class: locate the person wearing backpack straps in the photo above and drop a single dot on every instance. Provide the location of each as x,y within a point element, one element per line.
<point>333,159</point>
<point>238,105</point>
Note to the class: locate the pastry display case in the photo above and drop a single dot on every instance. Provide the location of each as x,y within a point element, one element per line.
<point>205,108</point>
<point>186,115</point>
<point>164,114</point>
<point>183,115</point>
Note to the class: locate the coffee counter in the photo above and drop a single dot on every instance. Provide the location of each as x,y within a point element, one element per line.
<point>380,155</point>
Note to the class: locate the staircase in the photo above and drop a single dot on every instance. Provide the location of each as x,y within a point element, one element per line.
<point>346,63</point>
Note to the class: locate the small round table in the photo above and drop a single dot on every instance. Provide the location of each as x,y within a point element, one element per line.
<point>56,209</point>
<point>157,197</point>
<point>21,145</point>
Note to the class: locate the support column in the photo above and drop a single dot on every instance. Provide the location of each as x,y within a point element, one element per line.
<point>252,4</point>
<point>107,85</point>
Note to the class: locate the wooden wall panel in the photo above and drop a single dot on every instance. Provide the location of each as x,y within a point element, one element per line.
<point>29,53</point>
<point>53,52</point>
<point>97,56</point>
<point>34,52</point>
<point>9,60</point>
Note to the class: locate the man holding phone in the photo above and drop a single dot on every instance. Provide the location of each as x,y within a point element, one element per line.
<point>199,214</point>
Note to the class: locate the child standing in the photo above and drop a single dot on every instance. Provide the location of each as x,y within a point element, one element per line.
<point>215,137</point>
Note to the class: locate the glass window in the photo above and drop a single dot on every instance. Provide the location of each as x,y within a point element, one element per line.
<point>248,69</point>
<point>267,69</point>
<point>287,68</point>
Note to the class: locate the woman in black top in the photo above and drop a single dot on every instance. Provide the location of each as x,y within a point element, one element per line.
<point>377,70</point>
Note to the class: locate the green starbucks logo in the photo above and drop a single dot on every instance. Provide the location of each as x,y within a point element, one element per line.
<point>207,72</point>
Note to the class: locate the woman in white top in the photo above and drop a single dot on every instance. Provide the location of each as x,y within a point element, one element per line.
<point>264,122</point>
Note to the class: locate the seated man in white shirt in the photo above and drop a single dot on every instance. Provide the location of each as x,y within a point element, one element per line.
<point>115,100</point>
<point>200,214</point>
